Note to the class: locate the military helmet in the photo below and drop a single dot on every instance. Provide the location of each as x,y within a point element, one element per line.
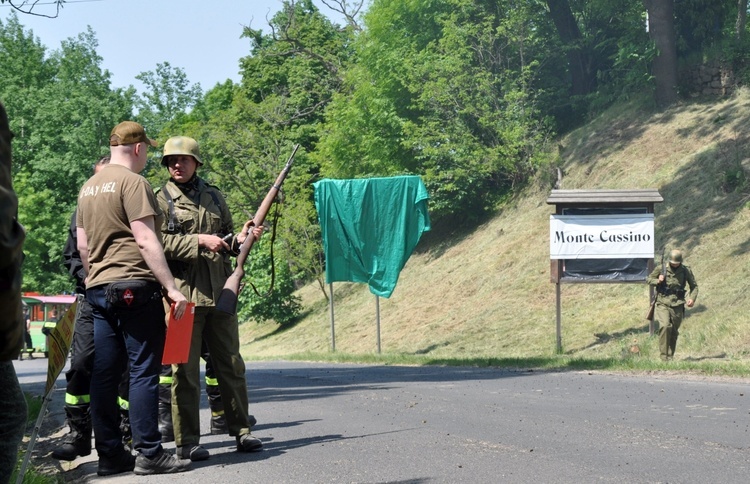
<point>675,257</point>
<point>181,145</point>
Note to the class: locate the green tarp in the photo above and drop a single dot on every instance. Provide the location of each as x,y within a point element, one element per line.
<point>370,228</point>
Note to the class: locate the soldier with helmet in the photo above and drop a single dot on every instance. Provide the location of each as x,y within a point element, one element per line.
<point>198,242</point>
<point>671,299</point>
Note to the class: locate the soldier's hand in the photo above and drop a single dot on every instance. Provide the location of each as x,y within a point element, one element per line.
<point>245,230</point>
<point>661,277</point>
<point>214,243</point>
<point>689,303</point>
<point>258,231</point>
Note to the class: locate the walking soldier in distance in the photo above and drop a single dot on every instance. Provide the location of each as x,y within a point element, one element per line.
<point>671,299</point>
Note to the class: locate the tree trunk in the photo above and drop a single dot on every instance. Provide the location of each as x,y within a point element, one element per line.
<point>583,80</point>
<point>739,28</point>
<point>662,31</point>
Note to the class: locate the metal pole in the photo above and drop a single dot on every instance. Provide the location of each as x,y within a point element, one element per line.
<point>330,305</point>
<point>32,440</point>
<point>377,318</point>
<point>559,318</point>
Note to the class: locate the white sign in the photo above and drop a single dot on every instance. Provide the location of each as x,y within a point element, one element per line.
<point>613,236</point>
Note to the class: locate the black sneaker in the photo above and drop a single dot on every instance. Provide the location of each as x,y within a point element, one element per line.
<point>117,464</point>
<point>162,463</point>
<point>248,443</point>
<point>193,452</point>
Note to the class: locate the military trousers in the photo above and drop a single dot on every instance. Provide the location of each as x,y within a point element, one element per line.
<point>669,319</point>
<point>221,334</point>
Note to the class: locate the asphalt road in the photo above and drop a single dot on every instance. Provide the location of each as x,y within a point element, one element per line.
<point>323,423</point>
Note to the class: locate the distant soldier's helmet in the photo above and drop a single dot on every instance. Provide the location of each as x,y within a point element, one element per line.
<point>181,145</point>
<point>675,257</point>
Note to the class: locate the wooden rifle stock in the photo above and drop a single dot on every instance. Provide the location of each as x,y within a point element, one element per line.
<point>227,302</point>
<point>650,315</point>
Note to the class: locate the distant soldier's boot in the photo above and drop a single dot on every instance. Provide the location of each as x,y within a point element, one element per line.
<point>78,441</point>
<point>218,419</point>
<point>165,413</point>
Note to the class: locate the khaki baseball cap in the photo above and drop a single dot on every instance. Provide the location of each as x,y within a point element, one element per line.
<point>128,133</point>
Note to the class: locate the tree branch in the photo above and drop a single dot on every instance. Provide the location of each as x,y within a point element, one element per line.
<point>31,4</point>
<point>342,7</point>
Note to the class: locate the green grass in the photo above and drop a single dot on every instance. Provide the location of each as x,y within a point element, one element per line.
<point>482,295</point>
<point>33,475</point>
<point>626,362</point>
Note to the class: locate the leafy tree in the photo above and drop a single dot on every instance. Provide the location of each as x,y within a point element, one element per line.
<point>275,302</point>
<point>246,133</point>
<point>62,110</point>
<point>289,78</point>
<point>580,58</point>
<point>443,90</point>
<point>741,21</point>
<point>662,31</point>
<point>699,24</point>
<point>168,95</point>
<point>607,52</point>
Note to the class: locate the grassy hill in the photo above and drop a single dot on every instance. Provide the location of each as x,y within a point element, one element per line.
<point>486,294</point>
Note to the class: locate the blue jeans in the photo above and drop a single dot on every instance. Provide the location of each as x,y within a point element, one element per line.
<point>139,333</point>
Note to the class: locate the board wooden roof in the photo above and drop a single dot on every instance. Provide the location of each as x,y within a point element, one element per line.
<point>601,197</point>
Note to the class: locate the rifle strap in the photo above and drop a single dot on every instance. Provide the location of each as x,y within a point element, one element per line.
<point>170,204</point>
<point>273,265</point>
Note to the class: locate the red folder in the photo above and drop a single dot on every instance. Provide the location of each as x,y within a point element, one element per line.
<point>179,334</point>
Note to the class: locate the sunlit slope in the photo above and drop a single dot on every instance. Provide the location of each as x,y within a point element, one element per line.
<point>487,292</point>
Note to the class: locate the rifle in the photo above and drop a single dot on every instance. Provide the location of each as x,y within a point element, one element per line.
<point>650,315</point>
<point>227,301</point>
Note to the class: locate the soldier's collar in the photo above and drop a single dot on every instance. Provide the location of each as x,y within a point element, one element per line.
<point>190,187</point>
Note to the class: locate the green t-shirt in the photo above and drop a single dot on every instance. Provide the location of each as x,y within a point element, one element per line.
<point>107,203</point>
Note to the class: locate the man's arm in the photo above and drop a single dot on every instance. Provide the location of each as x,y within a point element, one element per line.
<point>693,295</point>
<point>71,256</point>
<point>153,253</point>
<point>653,278</point>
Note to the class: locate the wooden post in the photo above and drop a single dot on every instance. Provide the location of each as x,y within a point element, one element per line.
<point>559,318</point>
